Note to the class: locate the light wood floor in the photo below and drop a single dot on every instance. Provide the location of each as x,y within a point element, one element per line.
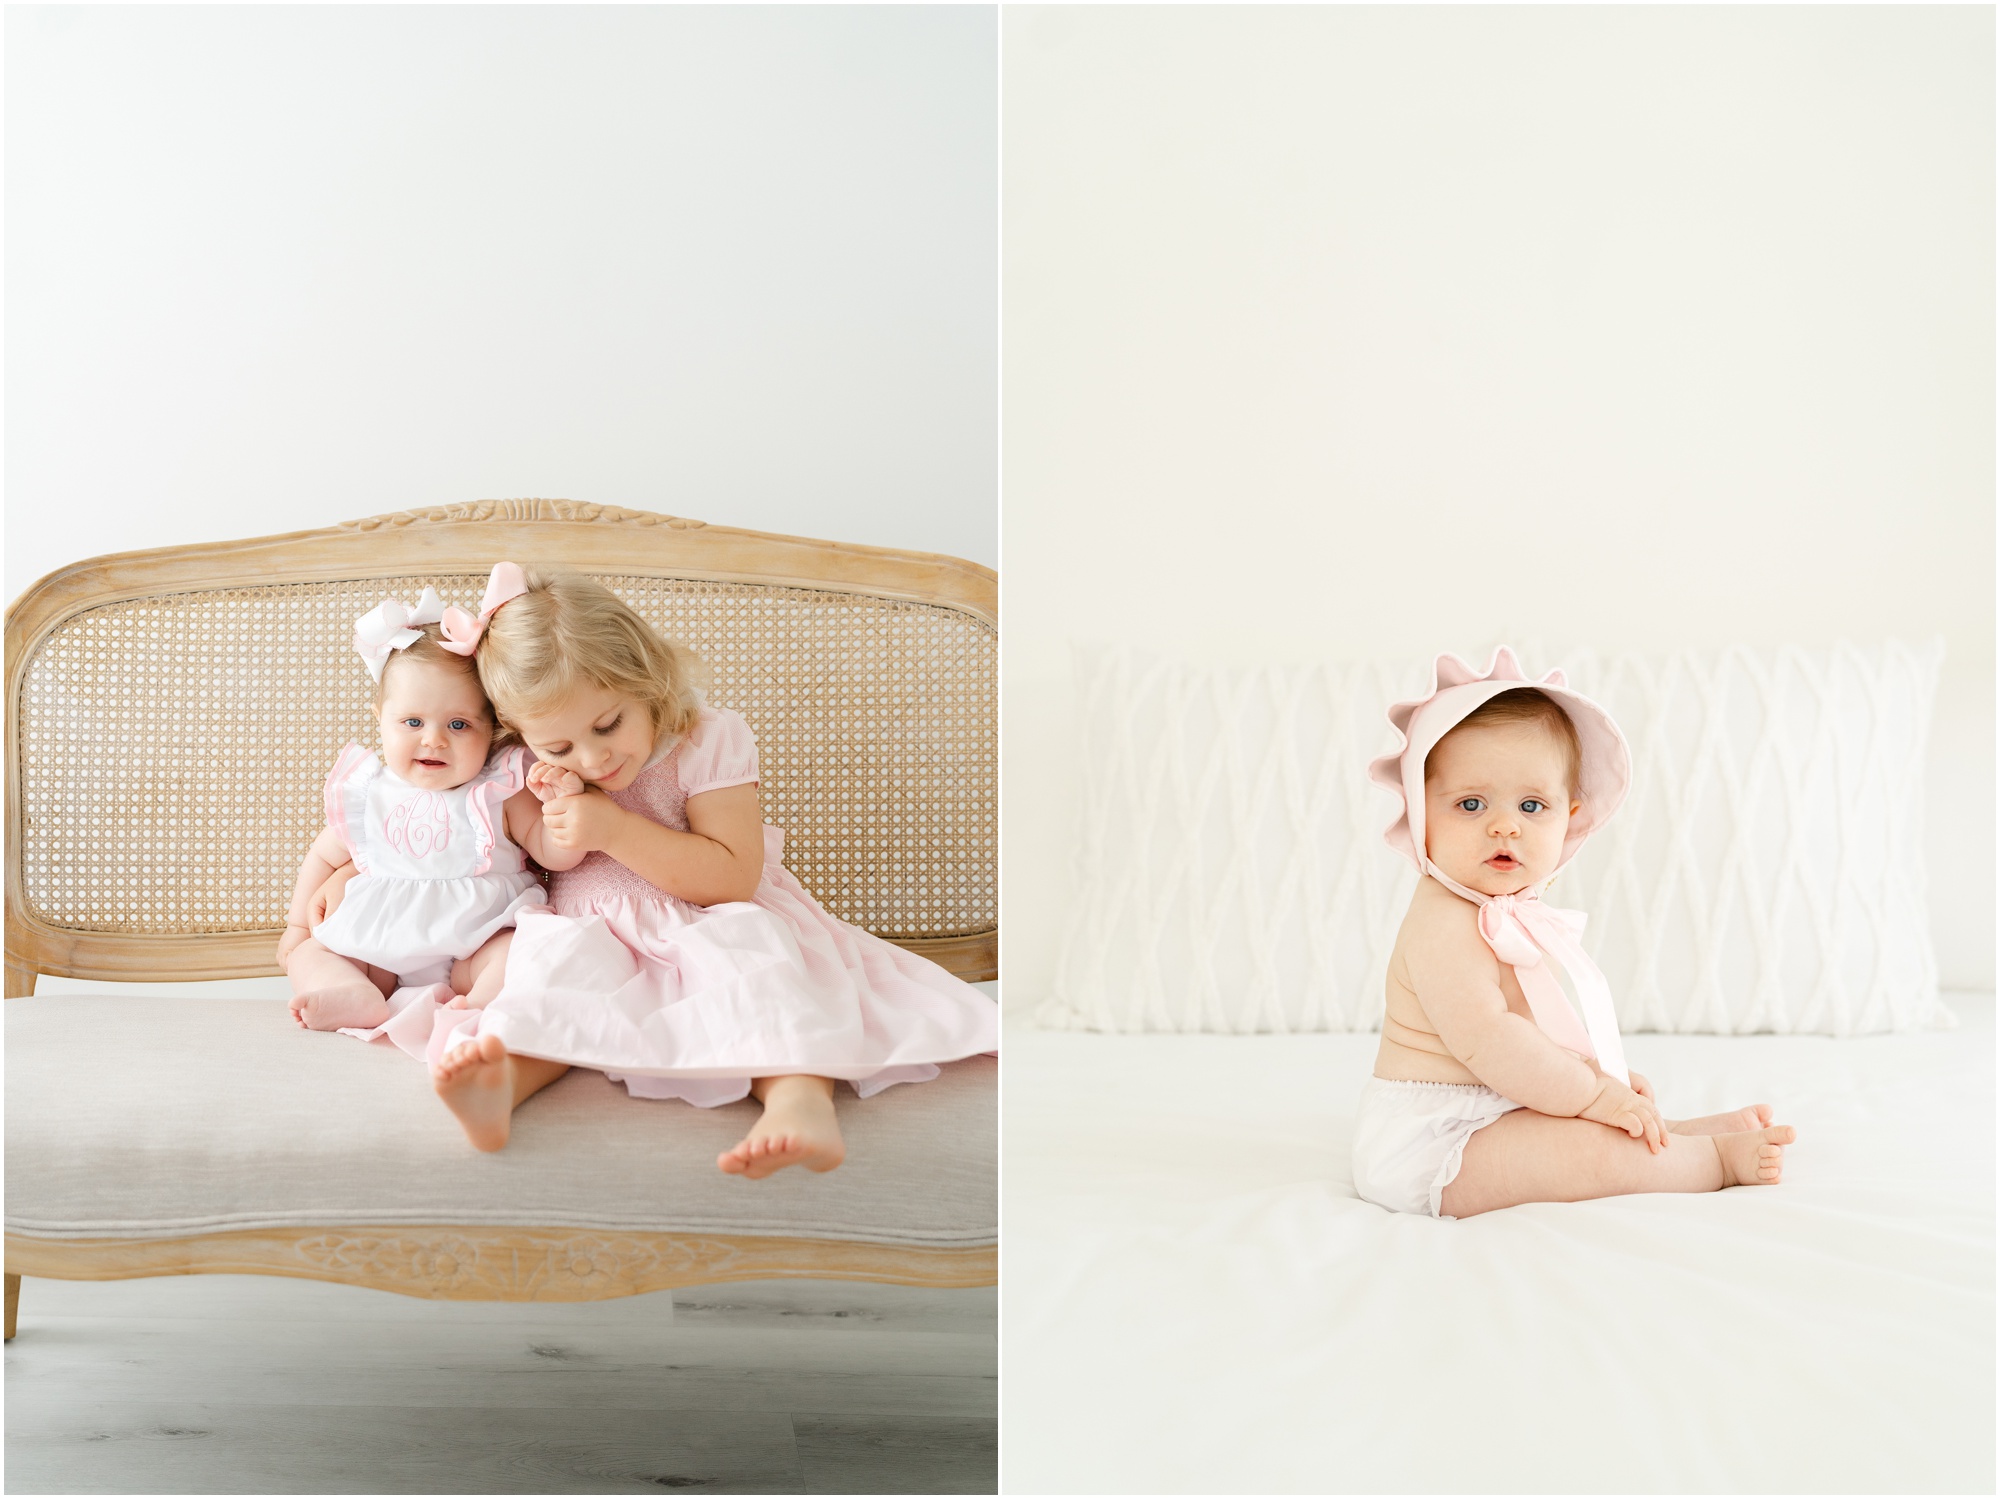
<point>246,1384</point>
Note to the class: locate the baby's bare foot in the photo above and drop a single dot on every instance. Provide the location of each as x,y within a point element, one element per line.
<point>476,1082</point>
<point>359,1005</point>
<point>1754,1117</point>
<point>798,1128</point>
<point>1754,1158</point>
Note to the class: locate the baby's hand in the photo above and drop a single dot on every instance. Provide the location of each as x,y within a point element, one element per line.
<point>289,943</point>
<point>326,899</point>
<point>1621,1108</point>
<point>551,781</point>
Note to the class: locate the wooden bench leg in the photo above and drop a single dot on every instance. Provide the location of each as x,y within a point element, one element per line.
<point>13,1303</point>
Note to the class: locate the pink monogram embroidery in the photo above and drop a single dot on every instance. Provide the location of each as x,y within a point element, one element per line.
<point>419,825</point>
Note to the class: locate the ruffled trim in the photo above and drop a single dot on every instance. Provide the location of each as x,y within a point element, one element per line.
<point>504,775</point>
<point>339,806</point>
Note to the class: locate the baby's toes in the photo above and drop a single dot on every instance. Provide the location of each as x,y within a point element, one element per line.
<point>1761,1112</point>
<point>1770,1162</point>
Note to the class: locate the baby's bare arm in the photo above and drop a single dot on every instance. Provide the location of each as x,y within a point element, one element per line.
<point>327,855</point>
<point>1457,981</point>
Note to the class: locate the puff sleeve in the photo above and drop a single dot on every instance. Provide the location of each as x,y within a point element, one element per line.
<point>721,751</point>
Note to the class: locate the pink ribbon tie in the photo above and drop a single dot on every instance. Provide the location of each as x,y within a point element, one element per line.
<point>1523,932</point>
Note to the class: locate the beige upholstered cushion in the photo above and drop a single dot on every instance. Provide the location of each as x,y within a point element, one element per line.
<point>143,1117</point>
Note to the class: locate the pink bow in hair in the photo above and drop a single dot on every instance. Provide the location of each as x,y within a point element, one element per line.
<point>461,631</point>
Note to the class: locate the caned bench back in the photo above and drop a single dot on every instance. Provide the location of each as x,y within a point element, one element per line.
<point>172,716</point>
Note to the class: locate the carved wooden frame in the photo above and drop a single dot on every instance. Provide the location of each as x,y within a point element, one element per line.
<point>523,1263</point>
<point>455,538</point>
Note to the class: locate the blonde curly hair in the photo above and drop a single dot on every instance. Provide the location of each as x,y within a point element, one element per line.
<point>567,630</point>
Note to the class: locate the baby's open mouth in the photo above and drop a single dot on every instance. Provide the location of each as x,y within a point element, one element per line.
<point>431,764</point>
<point>1504,860</point>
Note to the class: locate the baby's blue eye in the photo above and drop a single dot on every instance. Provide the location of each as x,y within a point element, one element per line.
<point>1470,804</point>
<point>413,723</point>
<point>460,724</point>
<point>1531,806</point>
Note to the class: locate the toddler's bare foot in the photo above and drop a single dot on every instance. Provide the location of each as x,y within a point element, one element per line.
<point>1755,1117</point>
<point>1754,1158</point>
<point>329,1007</point>
<point>798,1128</point>
<point>476,1082</point>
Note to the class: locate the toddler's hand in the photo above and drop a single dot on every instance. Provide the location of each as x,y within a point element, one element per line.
<point>551,781</point>
<point>586,821</point>
<point>1621,1108</point>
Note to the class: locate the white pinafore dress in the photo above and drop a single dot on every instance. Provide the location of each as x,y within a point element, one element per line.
<point>435,872</point>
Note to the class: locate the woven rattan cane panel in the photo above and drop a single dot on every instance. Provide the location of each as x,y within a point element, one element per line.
<point>174,747</point>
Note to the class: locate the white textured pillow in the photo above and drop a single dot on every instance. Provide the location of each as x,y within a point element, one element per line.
<point>1766,873</point>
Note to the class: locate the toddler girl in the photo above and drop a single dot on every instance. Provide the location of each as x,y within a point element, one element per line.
<point>1488,1091</point>
<point>414,875</point>
<point>677,955</point>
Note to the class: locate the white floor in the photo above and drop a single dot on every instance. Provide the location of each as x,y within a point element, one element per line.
<point>1198,1302</point>
<point>248,1384</point>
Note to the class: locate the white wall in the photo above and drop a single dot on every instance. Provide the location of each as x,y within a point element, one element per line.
<point>277,267</point>
<point>1355,330</point>
<point>274,268</point>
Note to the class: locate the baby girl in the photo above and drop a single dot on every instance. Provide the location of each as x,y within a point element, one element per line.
<point>1488,1090</point>
<point>414,882</point>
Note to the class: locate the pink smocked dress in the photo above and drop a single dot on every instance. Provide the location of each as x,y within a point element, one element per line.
<point>683,1001</point>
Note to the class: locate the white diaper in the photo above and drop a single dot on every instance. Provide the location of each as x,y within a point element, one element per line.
<point>1410,1139</point>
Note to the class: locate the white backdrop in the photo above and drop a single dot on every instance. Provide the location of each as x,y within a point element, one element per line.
<point>1353,330</point>
<point>277,267</point>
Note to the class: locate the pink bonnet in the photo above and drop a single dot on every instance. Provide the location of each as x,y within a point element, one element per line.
<point>1456,689</point>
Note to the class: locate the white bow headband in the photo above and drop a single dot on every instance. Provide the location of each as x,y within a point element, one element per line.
<point>393,626</point>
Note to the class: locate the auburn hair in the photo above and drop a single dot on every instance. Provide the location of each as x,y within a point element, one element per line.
<point>1524,705</point>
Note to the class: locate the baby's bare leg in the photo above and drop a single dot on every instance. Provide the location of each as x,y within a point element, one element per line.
<point>798,1128</point>
<point>483,1083</point>
<point>329,991</point>
<point>475,980</point>
<point>1529,1157</point>
<point>1754,1116</point>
